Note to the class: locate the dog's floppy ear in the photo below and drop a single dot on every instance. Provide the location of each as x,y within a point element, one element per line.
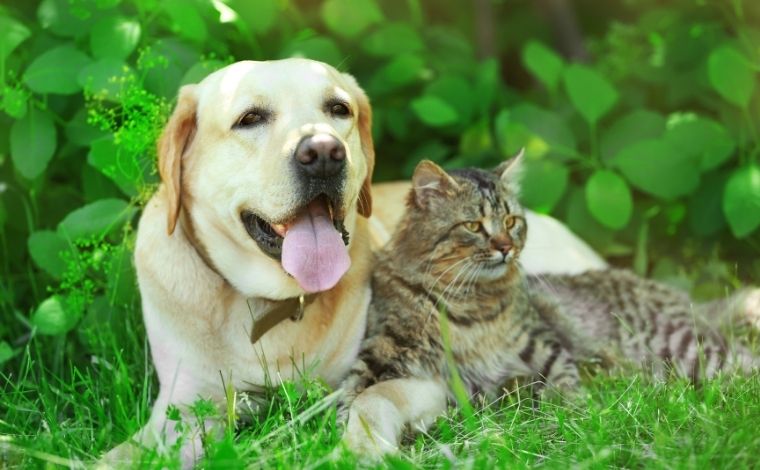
<point>174,141</point>
<point>368,147</point>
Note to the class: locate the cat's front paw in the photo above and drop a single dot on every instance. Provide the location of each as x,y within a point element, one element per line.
<point>368,439</point>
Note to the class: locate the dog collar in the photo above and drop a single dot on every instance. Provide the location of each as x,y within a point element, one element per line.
<point>276,311</point>
<point>188,228</point>
<point>279,311</point>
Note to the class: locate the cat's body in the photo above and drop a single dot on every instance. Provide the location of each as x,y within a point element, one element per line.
<point>456,253</point>
<point>623,319</point>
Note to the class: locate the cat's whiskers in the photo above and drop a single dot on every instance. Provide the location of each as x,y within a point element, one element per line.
<point>442,299</point>
<point>447,291</point>
<point>432,286</point>
<point>471,269</point>
<point>474,278</point>
<point>546,285</point>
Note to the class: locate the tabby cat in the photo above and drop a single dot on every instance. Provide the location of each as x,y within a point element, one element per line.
<point>456,254</point>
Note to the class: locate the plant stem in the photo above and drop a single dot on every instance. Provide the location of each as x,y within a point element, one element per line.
<point>455,380</point>
<point>755,144</point>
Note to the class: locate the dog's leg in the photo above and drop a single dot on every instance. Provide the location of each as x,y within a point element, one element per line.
<point>378,415</point>
<point>161,433</point>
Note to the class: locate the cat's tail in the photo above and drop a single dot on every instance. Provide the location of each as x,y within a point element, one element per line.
<point>740,309</point>
<point>741,359</point>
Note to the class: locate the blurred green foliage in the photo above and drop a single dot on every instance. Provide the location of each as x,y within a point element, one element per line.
<point>649,148</point>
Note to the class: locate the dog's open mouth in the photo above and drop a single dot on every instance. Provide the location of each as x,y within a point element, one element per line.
<point>312,245</point>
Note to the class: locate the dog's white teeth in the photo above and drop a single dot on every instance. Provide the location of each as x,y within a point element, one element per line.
<point>280,229</point>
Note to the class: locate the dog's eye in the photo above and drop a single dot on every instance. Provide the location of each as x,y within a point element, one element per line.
<point>339,110</point>
<point>252,118</point>
<point>473,227</point>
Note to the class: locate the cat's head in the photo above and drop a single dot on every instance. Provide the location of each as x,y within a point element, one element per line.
<point>468,216</point>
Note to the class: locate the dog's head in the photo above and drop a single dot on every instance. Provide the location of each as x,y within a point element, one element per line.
<point>270,162</point>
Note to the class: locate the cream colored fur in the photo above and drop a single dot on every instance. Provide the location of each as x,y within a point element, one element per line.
<point>198,324</point>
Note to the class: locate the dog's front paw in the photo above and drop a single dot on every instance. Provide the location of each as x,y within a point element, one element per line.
<point>125,455</point>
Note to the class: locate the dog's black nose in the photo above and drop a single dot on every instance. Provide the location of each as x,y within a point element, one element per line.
<point>321,155</point>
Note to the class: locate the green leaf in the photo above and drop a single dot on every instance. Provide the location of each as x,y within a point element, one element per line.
<point>741,200</point>
<point>80,132</point>
<point>434,112</point>
<point>591,94</point>
<point>259,16</point>
<point>114,37</point>
<point>732,75</point>
<point>103,78</point>
<point>6,352</point>
<point>393,39</point>
<point>540,132</point>
<point>609,199</point>
<point>56,71</point>
<point>3,214</point>
<point>543,63</point>
<point>223,455</point>
<point>476,138</point>
<point>46,247</point>
<point>173,58</point>
<point>487,82</point>
<point>513,136</point>
<point>14,102</point>
<point>52,318</point>
<point>705,210</point>
<point>348,18</point>
<point>122,281</point>
<point>316,48</point>
<point>455,91</point>
<point>119,166</point>
<point>580,220</point>
<point>33,142</point>
<point>703,139</point>
<point>399,72</point>
<point>12,34</point>
<point>58,16</point>
<point>201,70</point>
<point>543,184</point>
<point>185,20</point>
<point>95,219</point>
<point>655,167</point>
<point>633,127</point>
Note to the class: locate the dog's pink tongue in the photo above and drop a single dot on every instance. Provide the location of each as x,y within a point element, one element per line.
<point>313,251</point>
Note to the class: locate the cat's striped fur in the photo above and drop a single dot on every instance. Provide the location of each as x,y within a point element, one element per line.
<point>628,320</point>
<point>456,251</point>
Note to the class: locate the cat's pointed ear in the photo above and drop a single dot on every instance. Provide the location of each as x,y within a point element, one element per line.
<point>510,171</point>
<point>430,181</point>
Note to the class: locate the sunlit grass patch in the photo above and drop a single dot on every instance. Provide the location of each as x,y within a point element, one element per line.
<point>64,414</point>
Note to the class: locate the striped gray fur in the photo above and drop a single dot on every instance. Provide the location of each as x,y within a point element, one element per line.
<point>435,263</point>
<point>456,251</point>
<point>617,314</point>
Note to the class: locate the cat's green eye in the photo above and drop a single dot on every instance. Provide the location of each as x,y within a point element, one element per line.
<point>510,221</point>
<point>472,226</point>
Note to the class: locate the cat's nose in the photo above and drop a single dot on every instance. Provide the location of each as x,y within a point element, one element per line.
<point>502,244</point>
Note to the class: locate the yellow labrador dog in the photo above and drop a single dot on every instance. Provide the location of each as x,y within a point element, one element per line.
<point>253,257</point>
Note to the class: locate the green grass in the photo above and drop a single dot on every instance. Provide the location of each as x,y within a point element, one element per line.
<point>59,407</point>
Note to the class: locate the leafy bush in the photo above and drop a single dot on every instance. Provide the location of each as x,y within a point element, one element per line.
<point>650,150</point>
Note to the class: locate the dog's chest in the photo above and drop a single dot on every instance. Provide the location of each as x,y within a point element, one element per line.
<point>322,344</point>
